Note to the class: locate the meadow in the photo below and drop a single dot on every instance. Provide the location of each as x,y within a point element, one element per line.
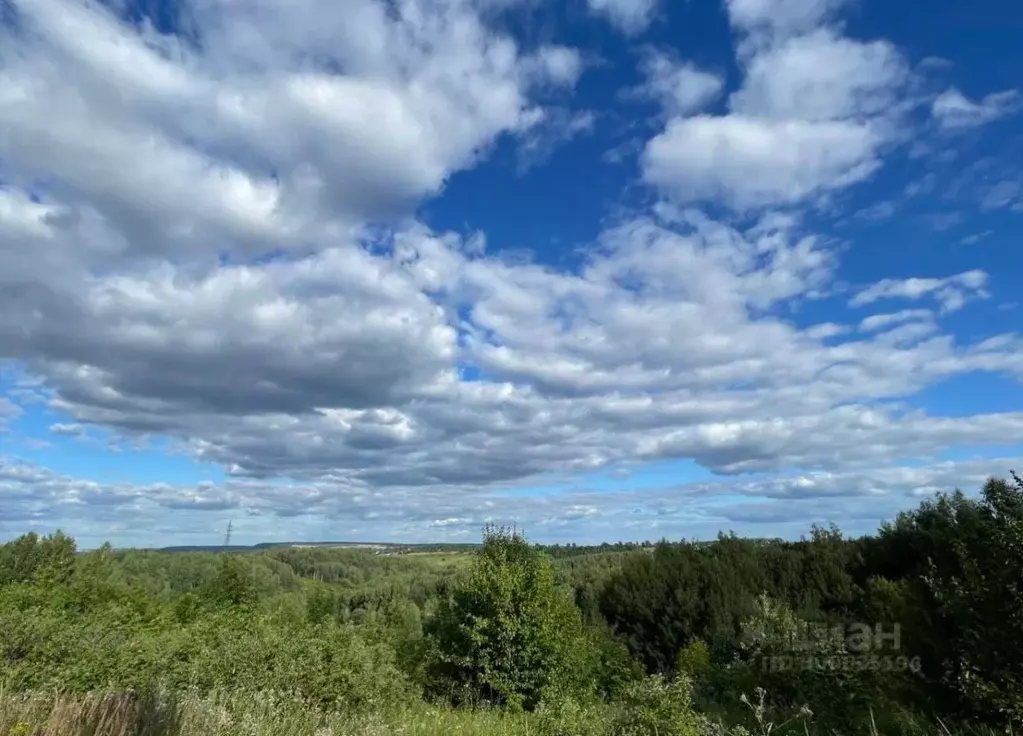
<point>917,629</point>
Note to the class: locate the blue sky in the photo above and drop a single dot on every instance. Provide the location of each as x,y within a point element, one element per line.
<point>606,269</point>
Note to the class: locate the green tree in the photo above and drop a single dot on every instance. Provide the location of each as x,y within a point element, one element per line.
<point>232,585</point>
<point>19,559</point>
<point>659,602</point>
<point>975,583</point>
<point>693,661</point>
<point>57,559</point>
<point>509,633</point>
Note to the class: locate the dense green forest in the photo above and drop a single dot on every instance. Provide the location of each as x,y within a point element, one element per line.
<point>916,629</point>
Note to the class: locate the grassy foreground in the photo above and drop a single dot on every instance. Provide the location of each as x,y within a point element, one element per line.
<point>122,714</point>
<point>264,714</point>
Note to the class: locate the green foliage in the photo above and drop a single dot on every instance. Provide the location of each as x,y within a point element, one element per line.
<point>232,585</point>
<point>774,634</point>
<point>771,629</point>
<point>693,661</point>
<point>509,632</point>
<point>326,665</point>
<point>614,669</point>
<point>655,706</point>
<point>565,716</point>
<point>19,559</point>
<point>50,560</point>
<point>763,723</point>
<point>660,601</point>
<point>972,638</point>
<point>187,608</point>
<point>321,605</point>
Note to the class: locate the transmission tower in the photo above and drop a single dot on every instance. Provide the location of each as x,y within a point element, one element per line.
<point>227,537</point>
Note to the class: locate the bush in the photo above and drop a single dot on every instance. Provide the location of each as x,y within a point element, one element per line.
<point>614,669</point>
<point>655,706</point>
<point>509,633</point>
<point>693,661</point>
<point>560,716</point>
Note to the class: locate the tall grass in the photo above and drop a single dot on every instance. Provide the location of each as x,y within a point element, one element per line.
<point>267,714</point>
<point>258,714</point>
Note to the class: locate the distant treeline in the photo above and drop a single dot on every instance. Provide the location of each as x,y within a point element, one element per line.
<point>388,546</point>
<point>554,550</point>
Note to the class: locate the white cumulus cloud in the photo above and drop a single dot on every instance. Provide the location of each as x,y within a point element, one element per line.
<point>812,113</point>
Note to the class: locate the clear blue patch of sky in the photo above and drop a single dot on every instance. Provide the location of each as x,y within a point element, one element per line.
<point>87,456</point>
<point>549,215</point>
<point>1008,450</point>
<point>89,459</point>
<point>970,394</point>
<point>981,36</point>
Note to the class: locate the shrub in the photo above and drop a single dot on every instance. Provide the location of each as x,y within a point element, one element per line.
<point>614,668</point>
<point>655,706</point>
<point>508,633</point>
<point>693,661</point>
<point>561,716</point>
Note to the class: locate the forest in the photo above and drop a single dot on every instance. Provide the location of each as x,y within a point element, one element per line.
<point>916,629</point>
